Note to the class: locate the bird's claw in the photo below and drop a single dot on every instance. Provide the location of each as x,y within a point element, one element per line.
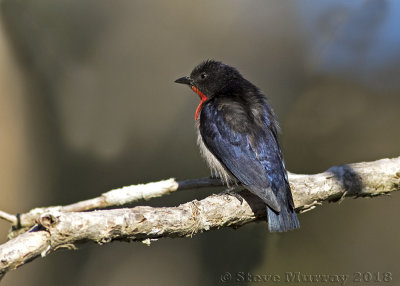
<point>214,176</point>
<point>230,191</point>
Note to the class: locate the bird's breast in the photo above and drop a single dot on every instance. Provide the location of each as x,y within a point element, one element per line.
<point>213,163</point>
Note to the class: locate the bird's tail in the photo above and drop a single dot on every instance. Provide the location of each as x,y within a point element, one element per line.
<point>285,220</point>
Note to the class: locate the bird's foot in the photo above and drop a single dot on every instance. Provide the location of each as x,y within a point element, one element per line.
<point>230,191</point>
<point>214,176</point>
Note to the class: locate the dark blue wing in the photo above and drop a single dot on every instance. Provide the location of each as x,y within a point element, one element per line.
<point>246,150</point>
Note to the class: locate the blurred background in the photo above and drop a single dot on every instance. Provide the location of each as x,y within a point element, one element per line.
<point>88,103</point>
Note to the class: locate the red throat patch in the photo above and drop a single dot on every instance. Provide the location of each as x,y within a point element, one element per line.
<point>203,98</point>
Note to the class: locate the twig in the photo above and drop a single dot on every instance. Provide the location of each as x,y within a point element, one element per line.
<point>8,217</point>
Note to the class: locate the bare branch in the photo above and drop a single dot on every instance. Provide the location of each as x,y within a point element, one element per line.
<point>10,218</point>
<point>59,229</point>
<point>113,198</point>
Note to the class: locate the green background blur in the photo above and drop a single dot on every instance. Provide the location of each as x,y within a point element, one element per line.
<point>88,103</point>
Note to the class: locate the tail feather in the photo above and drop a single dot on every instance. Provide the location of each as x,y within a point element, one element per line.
<point>285,220</point>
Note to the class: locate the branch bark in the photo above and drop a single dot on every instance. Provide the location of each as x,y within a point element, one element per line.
<point>64,227</point>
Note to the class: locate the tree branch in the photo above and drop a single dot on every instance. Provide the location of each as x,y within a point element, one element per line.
<point>59,227</point>
<point>113,198</point>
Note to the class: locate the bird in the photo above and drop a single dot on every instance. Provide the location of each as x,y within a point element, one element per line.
<point>237,133</point>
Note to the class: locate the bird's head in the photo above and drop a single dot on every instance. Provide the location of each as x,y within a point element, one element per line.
<point>209,77</point>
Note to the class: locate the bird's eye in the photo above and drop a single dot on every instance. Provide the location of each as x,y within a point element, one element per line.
<point>203,75</point>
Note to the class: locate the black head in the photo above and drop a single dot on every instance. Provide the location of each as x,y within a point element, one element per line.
<point>210,77</point>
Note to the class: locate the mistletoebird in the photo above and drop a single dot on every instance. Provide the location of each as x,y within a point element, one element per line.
<point>238,137</point>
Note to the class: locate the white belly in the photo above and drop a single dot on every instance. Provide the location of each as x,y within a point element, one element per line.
<point>216,167</point>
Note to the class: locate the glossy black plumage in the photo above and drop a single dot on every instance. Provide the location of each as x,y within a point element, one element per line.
<point>238,129</point>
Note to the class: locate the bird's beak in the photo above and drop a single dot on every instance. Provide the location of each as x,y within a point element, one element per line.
<point>184,80</point>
